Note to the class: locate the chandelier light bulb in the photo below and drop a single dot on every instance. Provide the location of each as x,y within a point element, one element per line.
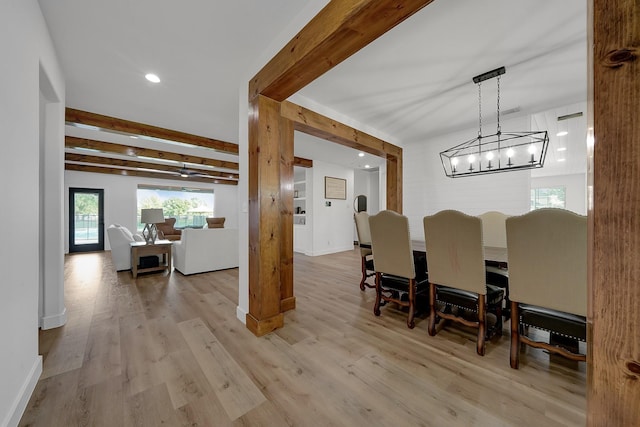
<point>454,161</point>
<point>532,149</point>
<point>510,152</point>
<point>489,155</point>
<point>471,158</point>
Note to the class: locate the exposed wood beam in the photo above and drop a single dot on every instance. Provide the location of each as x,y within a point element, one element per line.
<point>145,174</point>
<point>342,28</point>
<point>109,161</point>
<point>315,124</point>
<point>108,147</point>
<point>338,31</point>
<point>302,162</point>
<point>613,319</point>
<point>134,128</point>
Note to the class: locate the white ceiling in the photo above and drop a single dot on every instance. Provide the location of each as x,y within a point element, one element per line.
<point>413,83</point>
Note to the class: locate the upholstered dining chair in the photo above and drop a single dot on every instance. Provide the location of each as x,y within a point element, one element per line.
<point>457,278</point>
<point>397,278</point>
<point>548,280</point>
<point>364,242</point>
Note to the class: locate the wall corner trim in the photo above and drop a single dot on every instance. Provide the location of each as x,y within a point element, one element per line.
<point>22,399</point>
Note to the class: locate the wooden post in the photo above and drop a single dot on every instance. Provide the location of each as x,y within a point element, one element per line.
<point>265,238</point>
<point>340,29</point>
<point>287,300</point>
<point>614,317</point>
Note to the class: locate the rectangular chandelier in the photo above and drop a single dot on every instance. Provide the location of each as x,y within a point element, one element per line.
<point>499,152</point>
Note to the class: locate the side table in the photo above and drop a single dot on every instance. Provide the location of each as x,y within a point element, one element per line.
<point>140,249</point>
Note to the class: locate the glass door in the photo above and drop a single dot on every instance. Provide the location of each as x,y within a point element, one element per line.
<point>86,220</point>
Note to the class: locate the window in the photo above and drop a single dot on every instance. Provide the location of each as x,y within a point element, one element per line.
<point>549,197</point>
<point>189,206</point>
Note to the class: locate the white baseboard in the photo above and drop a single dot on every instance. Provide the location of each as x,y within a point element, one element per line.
<point>330,251</point>
<point>241,315</point>
<point>22,399</point>
<point>55,321</point>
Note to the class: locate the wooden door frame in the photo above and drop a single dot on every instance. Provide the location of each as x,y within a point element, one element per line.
<point>344,27</point>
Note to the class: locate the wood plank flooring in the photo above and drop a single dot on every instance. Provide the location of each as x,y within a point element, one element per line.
<point>167,349</point>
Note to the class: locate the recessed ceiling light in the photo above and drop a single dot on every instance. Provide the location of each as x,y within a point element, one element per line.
<point>367,166</point>
<point>360,154</point>
<point>562,133</point>
<point>561,160</point>
<point>562,149</point>
<point>152,78</point>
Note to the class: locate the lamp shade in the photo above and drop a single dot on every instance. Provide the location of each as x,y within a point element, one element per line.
<point>151,216</point>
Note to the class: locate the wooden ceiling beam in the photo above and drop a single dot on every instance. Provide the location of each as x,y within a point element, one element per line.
<point>315,124</point>
<point>145,174</point>
<point>338,31</point>
<point>141,129</point>
<point>127,150</point>
<point>110,161</point>
<point>302,162</point>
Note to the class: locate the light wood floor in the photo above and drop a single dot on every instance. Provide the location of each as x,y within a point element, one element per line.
<point>168,350</point>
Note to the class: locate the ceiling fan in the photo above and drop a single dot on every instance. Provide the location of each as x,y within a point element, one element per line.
<point>186,173</point>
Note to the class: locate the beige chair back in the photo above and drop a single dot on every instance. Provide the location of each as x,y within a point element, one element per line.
<point>364,234</point>
<point>548,260</point>
<point>455,253</point>
<point>391,244</point>
<point>494,231</point>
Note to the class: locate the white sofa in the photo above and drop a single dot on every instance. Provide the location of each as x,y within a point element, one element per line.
<point>207,249</point>
<point>119,239</point>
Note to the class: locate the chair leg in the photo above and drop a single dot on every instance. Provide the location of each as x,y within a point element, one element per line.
<point>376,307</point>
<point>432,309</point>
<point>482,324</point>
<point>515,336</point>
<point>412,303</point>
<point>499,324</point>
<point>364,274</point>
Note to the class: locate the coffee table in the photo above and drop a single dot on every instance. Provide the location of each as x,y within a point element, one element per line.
<point>140,249</point>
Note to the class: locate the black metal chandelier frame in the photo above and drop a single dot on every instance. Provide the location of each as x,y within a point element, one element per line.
<point>498,152</point>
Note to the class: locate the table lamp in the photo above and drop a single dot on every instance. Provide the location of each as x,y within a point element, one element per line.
<point>151,217</point>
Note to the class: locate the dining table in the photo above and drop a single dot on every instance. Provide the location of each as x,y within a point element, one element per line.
<point>492,254</point>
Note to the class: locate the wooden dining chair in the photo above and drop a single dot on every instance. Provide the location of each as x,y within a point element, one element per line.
<point>457,277</point>
<point>397,279</point>
<point>548,280</point>
<point>364,242</point>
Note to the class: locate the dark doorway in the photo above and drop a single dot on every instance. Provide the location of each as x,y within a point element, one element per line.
<point>86,220</point>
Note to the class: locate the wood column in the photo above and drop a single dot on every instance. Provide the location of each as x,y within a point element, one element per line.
<point>287,300</point>
<point>394,183</point>
<point>614,320</point>
<point>340,29</point>
<point>265,237</point>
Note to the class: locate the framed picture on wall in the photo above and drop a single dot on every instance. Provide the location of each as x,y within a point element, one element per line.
<point>335,188</point>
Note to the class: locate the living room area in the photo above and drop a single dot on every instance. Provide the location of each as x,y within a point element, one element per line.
<point>147,350</point>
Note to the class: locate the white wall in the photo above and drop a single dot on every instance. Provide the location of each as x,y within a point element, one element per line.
<point>120,198</point>
<point>575,187</point>
<point>428,190</point>
<point>332,225</point>
<point>25,49</point>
